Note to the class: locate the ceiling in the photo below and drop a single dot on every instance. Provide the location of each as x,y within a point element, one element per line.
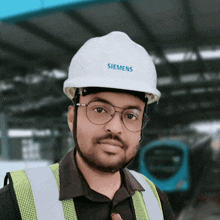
<point>182,37</point>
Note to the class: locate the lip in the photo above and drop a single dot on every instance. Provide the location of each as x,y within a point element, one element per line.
<point>112,142</point>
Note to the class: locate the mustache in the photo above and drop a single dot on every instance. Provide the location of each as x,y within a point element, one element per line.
<point>111,137</point>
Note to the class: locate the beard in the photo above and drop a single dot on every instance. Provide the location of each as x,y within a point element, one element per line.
<point>93,161</point>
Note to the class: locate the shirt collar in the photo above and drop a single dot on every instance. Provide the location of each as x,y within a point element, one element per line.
<point>72,181</point>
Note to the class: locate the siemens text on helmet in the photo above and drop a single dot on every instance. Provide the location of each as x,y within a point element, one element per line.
<point>119,67</point>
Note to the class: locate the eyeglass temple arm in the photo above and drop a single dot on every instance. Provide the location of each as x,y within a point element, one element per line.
<point>79,104</point>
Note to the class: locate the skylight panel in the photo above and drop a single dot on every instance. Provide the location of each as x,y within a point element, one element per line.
<point>5,86</point>
<point>175,57</point>
<point>178,92</point>
<point>180,55</point>
<point>198,90</point>
<point>210,53</point>
<point>190,78</point>
<point>209,127</point>
<point>57,74</point>
<point>155,59</point>
<point>164,81</point>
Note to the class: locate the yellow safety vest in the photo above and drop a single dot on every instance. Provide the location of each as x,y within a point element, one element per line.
<point>26,198</point>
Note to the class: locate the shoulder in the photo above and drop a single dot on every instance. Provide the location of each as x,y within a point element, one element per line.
<point>8,203</point>
<point>161,196</point>
<point>18,187</point>
<point>165,204</point>
<point>143,180</point>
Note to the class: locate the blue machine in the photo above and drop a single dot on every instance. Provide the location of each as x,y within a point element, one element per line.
<point>166,163</point>
<point>176,165</point>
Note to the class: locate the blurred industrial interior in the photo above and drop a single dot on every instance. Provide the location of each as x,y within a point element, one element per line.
<point>37,42</point>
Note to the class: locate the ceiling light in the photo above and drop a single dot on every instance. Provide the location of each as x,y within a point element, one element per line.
<point>180,55</point>
<point>208,53</point>
<point>164,81</point>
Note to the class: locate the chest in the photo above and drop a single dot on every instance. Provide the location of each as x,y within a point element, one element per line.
<point>102,210</point>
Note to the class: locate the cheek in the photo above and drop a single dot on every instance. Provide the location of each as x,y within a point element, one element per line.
<point>134,138</point>
<point>82,121</point>
<point>85,130</point>
<point>133,142</point>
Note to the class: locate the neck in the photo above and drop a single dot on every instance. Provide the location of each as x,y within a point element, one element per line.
<point>101,182</point>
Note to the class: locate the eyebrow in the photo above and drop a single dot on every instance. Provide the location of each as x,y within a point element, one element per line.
<point>106,101</point>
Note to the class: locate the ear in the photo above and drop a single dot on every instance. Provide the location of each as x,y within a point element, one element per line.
<point>70,118</point>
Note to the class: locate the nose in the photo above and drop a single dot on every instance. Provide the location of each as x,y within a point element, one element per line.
<point>115,125</point>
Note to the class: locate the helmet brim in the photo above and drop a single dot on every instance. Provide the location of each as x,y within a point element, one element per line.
<point>109,82</point>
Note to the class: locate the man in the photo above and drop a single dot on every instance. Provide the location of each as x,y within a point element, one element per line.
<point>111,81</point>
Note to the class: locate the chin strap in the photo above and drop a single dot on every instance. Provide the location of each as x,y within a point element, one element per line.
<point>141,137</point>
<point>75,100</point>
<point>145,111</point>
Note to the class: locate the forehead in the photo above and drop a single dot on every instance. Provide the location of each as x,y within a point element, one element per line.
<point>122,100</point>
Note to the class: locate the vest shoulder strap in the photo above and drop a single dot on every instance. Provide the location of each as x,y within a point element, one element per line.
<point>24,195</point>
<point>46,193</point>
<point>37,193</point>
<point>150,197</point>
<point>68,205</point>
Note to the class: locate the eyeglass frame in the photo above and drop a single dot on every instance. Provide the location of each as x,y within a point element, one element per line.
<point>145,117</point>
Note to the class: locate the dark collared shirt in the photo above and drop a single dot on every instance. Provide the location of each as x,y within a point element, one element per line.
<point>73,185</point>
<point>89,204</point>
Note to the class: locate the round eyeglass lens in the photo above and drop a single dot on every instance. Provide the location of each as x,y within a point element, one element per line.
<point>132,119</point>
<point>99,112</point>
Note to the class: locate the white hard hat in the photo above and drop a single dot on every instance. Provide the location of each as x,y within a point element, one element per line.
<point>113,61</point>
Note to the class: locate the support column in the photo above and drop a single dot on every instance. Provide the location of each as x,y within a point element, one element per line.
<point>4,136</point>
<point>4,153</point>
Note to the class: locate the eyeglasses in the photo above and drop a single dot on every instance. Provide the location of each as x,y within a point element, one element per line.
<point>100,113</point>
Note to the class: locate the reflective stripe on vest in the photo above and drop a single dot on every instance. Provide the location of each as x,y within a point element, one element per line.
<point>46,193</point>
<point>41,188</point>
<point>153,208</point>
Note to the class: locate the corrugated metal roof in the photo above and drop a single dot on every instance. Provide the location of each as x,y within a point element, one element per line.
<point>182,36</point>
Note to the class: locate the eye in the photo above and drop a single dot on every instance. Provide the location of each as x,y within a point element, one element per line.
<point>131,116</point>
<point>99,110</point>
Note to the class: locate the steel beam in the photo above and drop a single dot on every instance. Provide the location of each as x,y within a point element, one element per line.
<point>149,35</point>
<point>39,32</point>
<point>76,16</point>
<point>17,50</point>
<point>24,58</point>
<point>193,34</point>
